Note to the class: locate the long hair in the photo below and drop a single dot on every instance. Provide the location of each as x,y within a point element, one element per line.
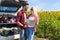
<point>34,10</point>
<point>35,13</point>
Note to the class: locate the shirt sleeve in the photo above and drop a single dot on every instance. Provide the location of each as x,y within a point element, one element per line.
<point>18,16</point>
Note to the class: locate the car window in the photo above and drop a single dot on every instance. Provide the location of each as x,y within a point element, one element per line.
<point>8,9</point>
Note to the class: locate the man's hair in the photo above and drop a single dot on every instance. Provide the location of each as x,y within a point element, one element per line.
<point>26,3</point>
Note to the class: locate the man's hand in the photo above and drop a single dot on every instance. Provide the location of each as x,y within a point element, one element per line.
<point>25,25</point>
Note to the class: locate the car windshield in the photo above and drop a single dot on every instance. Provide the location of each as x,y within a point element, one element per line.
<point>8,9</point>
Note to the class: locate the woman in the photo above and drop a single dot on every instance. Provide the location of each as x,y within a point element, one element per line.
<point>32,28</point>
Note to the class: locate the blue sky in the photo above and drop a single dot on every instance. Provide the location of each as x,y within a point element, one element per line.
<point>45,5</point>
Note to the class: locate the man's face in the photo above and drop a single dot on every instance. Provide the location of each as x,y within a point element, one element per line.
<point>25,7</point>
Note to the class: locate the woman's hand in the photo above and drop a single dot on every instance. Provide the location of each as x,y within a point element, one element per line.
<point>34,29</point>
<point>25,25</point>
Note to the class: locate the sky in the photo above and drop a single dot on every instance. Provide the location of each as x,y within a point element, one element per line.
<point>45,5</point>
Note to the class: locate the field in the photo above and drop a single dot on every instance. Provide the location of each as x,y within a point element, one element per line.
<point>49,25</point>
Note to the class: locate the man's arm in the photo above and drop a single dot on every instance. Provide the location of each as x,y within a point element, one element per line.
<point>19,24</point>
<point>18,19</point>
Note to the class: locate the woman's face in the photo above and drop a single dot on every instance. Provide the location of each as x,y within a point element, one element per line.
<point>32,12</point>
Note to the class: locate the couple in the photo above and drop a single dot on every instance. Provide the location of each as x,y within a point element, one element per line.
<point>26,31</point>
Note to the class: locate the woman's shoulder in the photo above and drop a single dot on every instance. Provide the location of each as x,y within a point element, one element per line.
<point>36,18</point>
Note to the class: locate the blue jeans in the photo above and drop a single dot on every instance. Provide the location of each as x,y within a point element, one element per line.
<point>22,34</point>
<point>30,33</point>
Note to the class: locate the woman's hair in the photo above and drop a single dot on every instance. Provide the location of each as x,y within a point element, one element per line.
<point>35,12</point>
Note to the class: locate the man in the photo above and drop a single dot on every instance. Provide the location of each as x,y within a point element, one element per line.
<point>21,22</point>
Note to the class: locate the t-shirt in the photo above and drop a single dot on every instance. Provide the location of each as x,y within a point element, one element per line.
<point>25,17</point>
<point>31,21</point>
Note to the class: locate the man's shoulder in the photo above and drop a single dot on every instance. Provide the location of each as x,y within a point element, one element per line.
<point>20,12</point>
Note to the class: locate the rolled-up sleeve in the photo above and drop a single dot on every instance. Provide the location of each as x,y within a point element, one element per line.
<point>18,16</point>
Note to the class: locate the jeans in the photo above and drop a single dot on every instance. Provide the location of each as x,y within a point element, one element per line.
<point>22,34</point>
<point>30,33</point>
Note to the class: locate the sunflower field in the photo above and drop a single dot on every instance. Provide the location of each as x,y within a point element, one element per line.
<point>49,25</point>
